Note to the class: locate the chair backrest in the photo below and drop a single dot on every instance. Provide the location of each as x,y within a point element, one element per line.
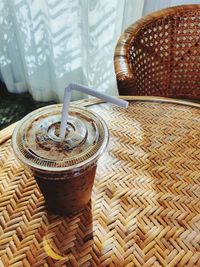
<point>160,54</point>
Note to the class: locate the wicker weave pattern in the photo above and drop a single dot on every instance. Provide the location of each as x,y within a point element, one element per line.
<point>145,204</point>
<point>160,54</point>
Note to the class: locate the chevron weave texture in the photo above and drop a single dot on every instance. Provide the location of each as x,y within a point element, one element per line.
<point>145,207</point>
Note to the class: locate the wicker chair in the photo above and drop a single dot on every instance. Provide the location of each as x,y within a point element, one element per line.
<point>159,55</point>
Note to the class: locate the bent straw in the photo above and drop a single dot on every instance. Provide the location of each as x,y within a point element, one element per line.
<point>86,90</point>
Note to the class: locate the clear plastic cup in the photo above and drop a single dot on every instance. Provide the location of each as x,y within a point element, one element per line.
<point>64,170</point>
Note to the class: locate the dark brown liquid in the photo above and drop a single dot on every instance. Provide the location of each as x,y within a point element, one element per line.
<point>66,196</point>
<point>37,140</point>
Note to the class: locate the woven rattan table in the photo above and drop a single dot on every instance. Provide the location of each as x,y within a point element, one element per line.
<point>145,207</point>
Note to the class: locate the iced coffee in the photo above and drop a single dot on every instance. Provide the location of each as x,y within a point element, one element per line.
<point>64,169</point>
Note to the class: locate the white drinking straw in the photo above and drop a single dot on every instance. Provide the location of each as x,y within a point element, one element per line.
<point>88,91</point>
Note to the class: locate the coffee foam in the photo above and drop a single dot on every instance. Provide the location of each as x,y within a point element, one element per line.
<point>43,137</point>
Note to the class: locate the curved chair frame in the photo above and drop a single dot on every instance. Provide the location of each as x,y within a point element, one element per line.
<point>160,54</point>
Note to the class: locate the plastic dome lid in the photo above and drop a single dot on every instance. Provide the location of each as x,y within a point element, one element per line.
<point>37,144</point>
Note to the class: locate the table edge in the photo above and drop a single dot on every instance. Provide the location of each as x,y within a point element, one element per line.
<point>6,133</point>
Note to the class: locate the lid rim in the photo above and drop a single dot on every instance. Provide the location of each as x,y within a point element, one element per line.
<point>67,168</point>
<point>32,165</point>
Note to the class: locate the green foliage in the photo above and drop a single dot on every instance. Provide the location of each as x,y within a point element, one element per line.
<point>13,107</point>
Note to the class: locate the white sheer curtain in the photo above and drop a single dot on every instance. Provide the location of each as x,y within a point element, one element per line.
<point>45,44</point>
<point>153,5</point>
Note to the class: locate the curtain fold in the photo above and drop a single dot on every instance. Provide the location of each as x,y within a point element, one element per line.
<point>46,44</point>
<point>153,5</point>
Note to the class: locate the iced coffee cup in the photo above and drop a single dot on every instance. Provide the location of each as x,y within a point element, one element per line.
<point>64,169</point>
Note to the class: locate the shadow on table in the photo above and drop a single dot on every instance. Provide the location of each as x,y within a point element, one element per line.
<point>69,238</point>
